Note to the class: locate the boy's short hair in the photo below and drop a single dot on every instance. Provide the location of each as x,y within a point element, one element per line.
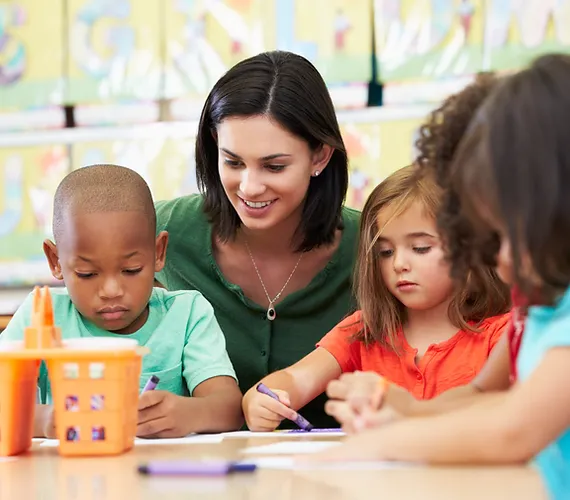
<point>102,188</point>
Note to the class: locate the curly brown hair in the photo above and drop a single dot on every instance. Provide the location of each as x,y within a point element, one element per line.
<point>512,173</point>
<point>439,139</point>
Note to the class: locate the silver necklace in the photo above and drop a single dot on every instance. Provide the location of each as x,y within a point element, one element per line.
<point>271,314</point>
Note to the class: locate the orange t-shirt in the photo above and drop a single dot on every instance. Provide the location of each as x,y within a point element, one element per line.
<point>451,363</point>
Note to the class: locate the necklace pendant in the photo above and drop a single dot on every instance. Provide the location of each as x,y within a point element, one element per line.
<point>271,315</point>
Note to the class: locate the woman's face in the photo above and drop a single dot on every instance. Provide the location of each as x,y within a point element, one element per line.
<point>265,170</point>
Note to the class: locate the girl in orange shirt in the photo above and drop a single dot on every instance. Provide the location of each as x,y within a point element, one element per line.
<point>416,327</point>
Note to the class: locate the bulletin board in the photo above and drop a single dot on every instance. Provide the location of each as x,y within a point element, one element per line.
<point>376,150</point>
<point>29,177</point>
<point>398,143</point>
<point>335,35</point>
<point>206,38</point>
<point>363,145</point>
<point>428,39</point>
<point>31,33</point>
<point>518,31</point>
<point>166,165</point>
<point>113,50</point>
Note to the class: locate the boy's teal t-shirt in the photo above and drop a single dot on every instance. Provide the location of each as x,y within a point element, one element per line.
<point>186,343</point>
<point>548,327</point>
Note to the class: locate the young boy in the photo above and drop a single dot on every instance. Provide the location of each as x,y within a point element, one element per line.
<point>106,252</point>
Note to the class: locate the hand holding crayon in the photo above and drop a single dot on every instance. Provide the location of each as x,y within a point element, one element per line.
<point>265,414</point>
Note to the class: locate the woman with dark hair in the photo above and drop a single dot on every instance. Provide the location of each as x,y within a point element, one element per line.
<point>268,241</point>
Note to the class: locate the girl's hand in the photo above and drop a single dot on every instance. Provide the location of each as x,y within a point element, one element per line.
<point>353,422</point>
<point>360,389</point>
<point>263,413</point>
<point>355,399</point>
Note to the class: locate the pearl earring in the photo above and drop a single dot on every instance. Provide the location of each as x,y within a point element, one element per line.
<point>316,174</point>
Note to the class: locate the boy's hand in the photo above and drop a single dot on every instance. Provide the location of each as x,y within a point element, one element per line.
<point>263,413</point>
<point>163,415</point>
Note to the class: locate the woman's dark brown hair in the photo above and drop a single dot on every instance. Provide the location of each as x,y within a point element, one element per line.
<point>481,295</point>
<point>513,167</point>
<point>287,88</point>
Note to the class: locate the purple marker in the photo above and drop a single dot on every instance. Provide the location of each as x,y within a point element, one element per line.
<point>193,468</point>
<point>303,423</point>
<point>151,384</point>
<point>296,431</point>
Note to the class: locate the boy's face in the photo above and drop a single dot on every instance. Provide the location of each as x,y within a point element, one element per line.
<point>107,261</point>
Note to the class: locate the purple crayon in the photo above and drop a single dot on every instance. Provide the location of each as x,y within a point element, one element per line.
<point>329,431</point>
<point>303,423</point>
<point>192,468</point>
<point>151,384</point>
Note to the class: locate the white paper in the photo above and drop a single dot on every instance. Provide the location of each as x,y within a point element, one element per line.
<point>273,462</point>
<point>289,463</point>
<point>291,447</point>
<point>192,439</point>
<point>283,434</point>
<point>8,459</point>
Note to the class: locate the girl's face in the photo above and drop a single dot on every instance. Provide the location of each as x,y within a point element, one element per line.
<point>504,262</point>
<point>505,269</point>
<point>505,265</point>
<point>412,260</point>
<point>265,170</point>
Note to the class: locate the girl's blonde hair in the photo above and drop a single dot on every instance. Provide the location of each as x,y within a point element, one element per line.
<point>480,296</point>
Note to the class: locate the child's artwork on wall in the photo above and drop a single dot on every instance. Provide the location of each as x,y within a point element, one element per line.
<point>30,176</point>
<point>428,39</point>
<point>166,165</point>
<point>31,34</point>
<point>114,50</point>
<point>375,150</point>
<point>516,31</point>
<point>206,38</point>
